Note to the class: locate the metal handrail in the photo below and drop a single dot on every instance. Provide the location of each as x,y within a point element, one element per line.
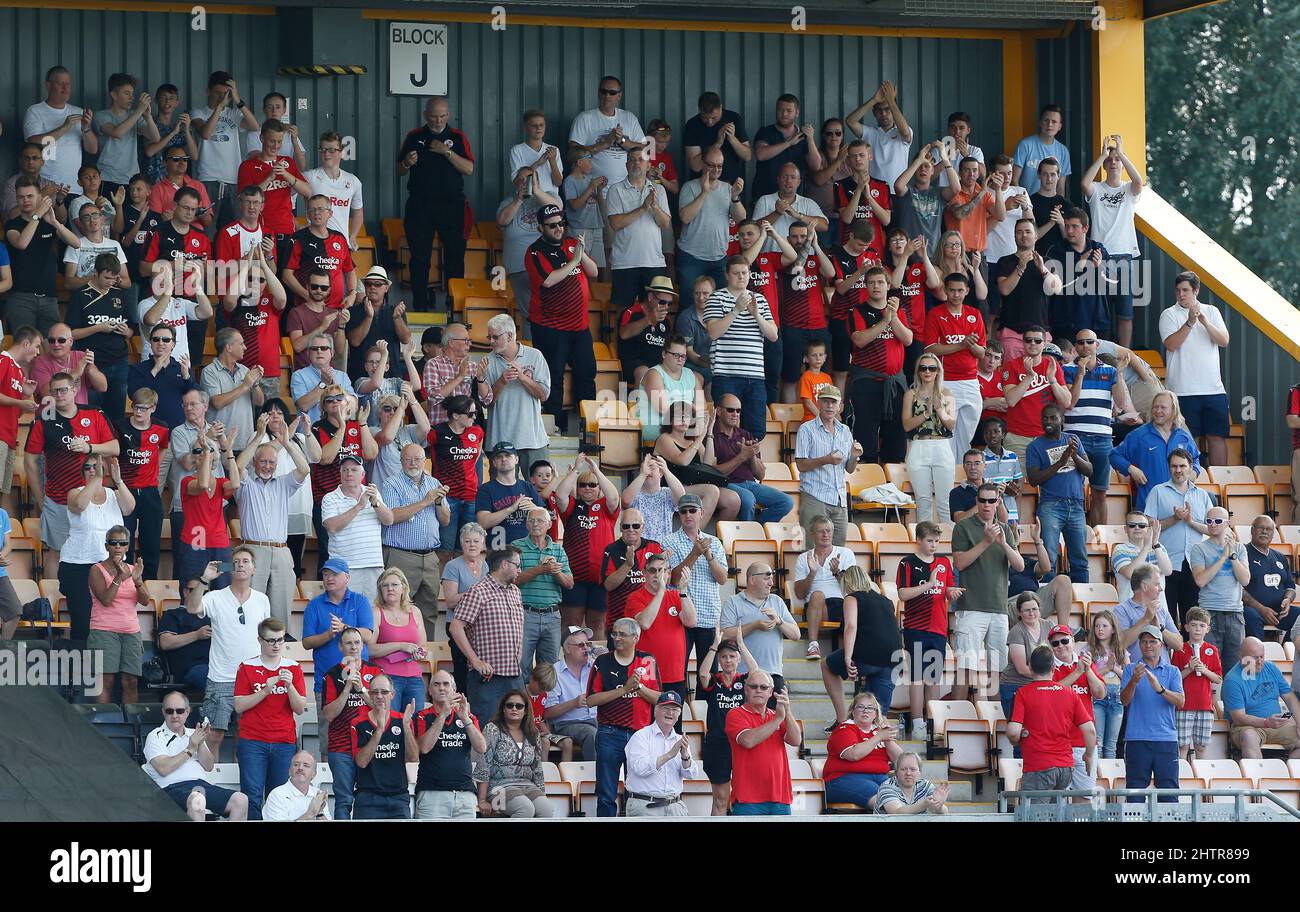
<point>1061,797</point>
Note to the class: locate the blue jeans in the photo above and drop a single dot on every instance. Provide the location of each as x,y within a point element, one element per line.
<point>541,640</point>
<point>485,696</point>
<point>344,770</point>
<point>1142,759</point>
<point>611,743</point>
<point>196,678</point>
<point>880,681</point>
<point>854,788</point>
<point>1107,714</point>
<point>690,268</point>
<point>1008,694</point>
<point>263,765</point>
<point>113,399</point>
<point>1062,515</point>
<point>774,504</point>
<point>406,689</point>
<point>462,512</point>
<point>752,393</point>
<point>1255,623</point>
<point>760,809</point>
<point>370,806</point>
<point>191,562</point>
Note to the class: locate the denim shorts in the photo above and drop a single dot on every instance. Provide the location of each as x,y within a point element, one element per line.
<point>1206,414</point>
<point>1097,448</point>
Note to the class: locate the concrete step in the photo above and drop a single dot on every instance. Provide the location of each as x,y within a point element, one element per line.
<point>972,807</point>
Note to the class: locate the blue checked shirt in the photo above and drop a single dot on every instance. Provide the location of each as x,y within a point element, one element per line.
<point>422,531</point>
<point>700,584</point>
<point>827,483</point>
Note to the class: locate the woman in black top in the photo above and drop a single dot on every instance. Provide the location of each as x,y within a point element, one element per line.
<point>871,642</point>
<point>723,690</point>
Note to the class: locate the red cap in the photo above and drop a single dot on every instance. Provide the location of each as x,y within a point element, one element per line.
<point>1060,628</point>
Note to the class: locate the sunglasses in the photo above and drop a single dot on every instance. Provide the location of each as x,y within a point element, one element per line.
<point>115,543</point>
<point>176,712</point>
<point>987,500</point>
<point>611,91</point>
<point>1085,341</point>
<point>375,283</point>
<point>559,224</point>
<point>768,573</point>
<point>631,525</point>
<point>688,510</point>
<point>334,398</point>
<point>178,158</point>
<point>589,484</point>
<point>327,151</point>
<point>382,693</point>
<point>242,619</point>
<point>730,411</point>
<point>1034,341</point>
<point>832,132</point>
<point>927,369</point>
<point>1055,643</point>
<point>492,337</point>
<point>151,339</point>
<point>315,287</point>
<point>57,340</point>
<point>321,348</point>
<point>1136,525</point>
<point>514,706</point>
<point>388,408</point>
<point>759,687</point>
<point>1215,522</point>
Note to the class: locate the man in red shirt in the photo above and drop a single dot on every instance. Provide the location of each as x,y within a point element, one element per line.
<point>278,177</point>
<point>663,615</point>
<point>1077,673</point>
<point>1029,384</point>
<point>955,332</point>
<point>269,692</point>
<point>803,304</point>
<point>765,279</point>
<point>760,765</point>
<point>992,394</point>
<point>1044,724</point>
<point>317,247</point>
<point>143,441</point>
<point>253,305</point>
<point>622,566</point>
<point>862,198</point>
<point>162,196</point>
<point>17,393</point>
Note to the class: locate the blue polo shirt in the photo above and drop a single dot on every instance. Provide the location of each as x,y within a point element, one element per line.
<point>354,610</point>
<point>1150,715</point>
<point>1066,483</point>
<point>1257,694</point>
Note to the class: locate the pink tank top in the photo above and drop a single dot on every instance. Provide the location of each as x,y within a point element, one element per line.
<point>119,617</point>
<point>400,663</point>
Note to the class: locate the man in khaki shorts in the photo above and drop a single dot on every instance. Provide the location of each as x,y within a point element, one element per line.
<point>984,550</point>
<point>16,397</point>
<point>1251,691</point>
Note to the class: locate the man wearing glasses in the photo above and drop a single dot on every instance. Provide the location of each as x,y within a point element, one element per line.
<point>763,620</point>
<point>162,196</point>
<point>624,686</point>
<point>1221,568</point>
<point>179,760</point>
<point>309,383</point>
<point>310,321</point>
<point>179,248</point>
<point>705,206</point>
<point>79,262</point>
<point>759,730</point>
<point>1029,384</point>
<point>457,445</point>
<point>454,373</point>
<point>269,691</point>
<point>375,319</point>
<point>279,178</point>
<point>235,613</point>
<point>489,629</point>
<point>159,371</point>
<point>1095,388</point>
<point>521,380</point>
<point>559,269</point>
<point>342,188</point>
<point>566,709</point>
<point>319,247</point>
<point>608,132</point>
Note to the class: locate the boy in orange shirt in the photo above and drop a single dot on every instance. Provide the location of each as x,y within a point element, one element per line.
<point>812,379</point>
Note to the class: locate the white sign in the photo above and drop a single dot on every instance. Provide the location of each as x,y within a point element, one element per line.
<point>417,58</point>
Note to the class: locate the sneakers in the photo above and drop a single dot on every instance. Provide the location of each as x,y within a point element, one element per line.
<point>814,652</point>
<point>918,730</point>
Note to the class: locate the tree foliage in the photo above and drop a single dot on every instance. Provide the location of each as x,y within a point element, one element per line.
<point>1223,126</point>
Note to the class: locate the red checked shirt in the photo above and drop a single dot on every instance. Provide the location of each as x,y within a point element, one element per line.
<point>494,615</point>
<point>272,719</point>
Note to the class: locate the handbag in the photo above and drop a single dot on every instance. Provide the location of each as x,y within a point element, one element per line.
<point>698,473</point>
<point>38,610</point>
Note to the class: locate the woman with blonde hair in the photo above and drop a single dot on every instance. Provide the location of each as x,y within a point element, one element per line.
<point>929,415</point>
<point>398,647</point>
<point>859,753</point>
<point>951,256</point>
<point>871,648</point>
<point>1143,455</point>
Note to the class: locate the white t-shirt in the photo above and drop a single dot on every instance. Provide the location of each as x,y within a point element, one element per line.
<point>61,166</point>
<point>1111,211</point>
<point>591,125</point>
<point>286,803</point>
<point>640,244</point>
<point>219,155</point>
<point>524,156</point>
<point>824,582</point>
<point>1193,370</point>
<point>177,314</point>
<point>359,542</point>
<point>344,194</point>
<point>232,642</point>
<point>767,204</point>
<point>163,742</point>
<point>517,236</point>
<point>889,153</point>
<point>1001,238</point>
<point>973,151</point>
<point>84,256</point>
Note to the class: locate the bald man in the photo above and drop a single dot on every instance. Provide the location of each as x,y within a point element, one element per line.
<point>760,764</point>
<point>297,799</point>
<point>447,732</point>
<point>1250,698</point>
<point>419,505</point>
<point>1221,568</point>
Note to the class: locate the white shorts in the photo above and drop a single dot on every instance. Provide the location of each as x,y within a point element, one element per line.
<point>979,638</point>
<point>1080,778</point>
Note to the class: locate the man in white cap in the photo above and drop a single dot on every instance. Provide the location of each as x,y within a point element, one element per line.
<point>374,318</point>
<point>825,453</point>
<point>658,759</point>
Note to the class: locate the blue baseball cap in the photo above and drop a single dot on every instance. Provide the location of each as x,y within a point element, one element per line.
<point>336,565</point>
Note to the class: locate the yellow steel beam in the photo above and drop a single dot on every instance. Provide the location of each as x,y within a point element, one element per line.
<point>1119,82</point>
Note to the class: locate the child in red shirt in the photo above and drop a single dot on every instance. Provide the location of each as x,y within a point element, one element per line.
<point>1202,667</point>
<point>926,587</point>
<point>662,170</point>
<point>540,682</point>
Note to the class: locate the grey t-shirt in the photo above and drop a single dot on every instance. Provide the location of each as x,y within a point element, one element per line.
<point>516,414</point>
<point>216,380</point>
<point>1222,592</point>
<point>389,461</point>
<point>764,645</point>
<point>458,571</point>
<point>1021,635</point>
<point>705,237</point>
<point>118,156</point>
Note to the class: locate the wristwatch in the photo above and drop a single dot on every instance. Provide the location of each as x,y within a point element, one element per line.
<point>322,385</point>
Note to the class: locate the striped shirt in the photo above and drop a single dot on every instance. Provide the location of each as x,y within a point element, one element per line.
<point>700,584</point>
<point>891,791</point>
<point>1096,400</point>
<point>827,483</point>
<point>421,531</point>
<point>359,541</point>
<point>739,351</point>
<point>543,590</point>
<point>998,469</point>
<point>264,506</point>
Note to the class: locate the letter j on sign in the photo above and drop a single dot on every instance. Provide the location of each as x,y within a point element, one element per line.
<point>417,58</point>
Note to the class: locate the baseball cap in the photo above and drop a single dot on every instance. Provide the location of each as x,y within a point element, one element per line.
<point>336,565</point>
<point>546,213</point>
<point>1060,629</point>
<point>377,272</point>
<point>1149,630</point>
<point>669,698</point>
<point>661,284</point>
<point>689,500</point>
<point>351,457</point>
<point>829,392</point>
<point>1051,348</point>
<point>502,446</point>
<point>574,631</point>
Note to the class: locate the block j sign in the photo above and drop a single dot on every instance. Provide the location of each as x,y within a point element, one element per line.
<point>417,58</point>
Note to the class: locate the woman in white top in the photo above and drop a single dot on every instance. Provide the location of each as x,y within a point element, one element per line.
<point>93,509</point>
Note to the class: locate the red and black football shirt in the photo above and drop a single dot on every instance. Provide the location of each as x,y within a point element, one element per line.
<point>929,610</point>
<point>141,453</point>
<point>325,475</point>
<point>259,323</point>
<point>455,459</point>
<point>629,711</point>
<point>563,305</point>
<point>52,438</point>
<point>166,243</point>
<point>588,531</point>
<point>845,265</point>
<point>801,294</point>
<point>329,253</point>
<point>613,558</point>
<point>764,279</point>
<point>879,191</point>
<point>884,353</point>
<point>340,729</point>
